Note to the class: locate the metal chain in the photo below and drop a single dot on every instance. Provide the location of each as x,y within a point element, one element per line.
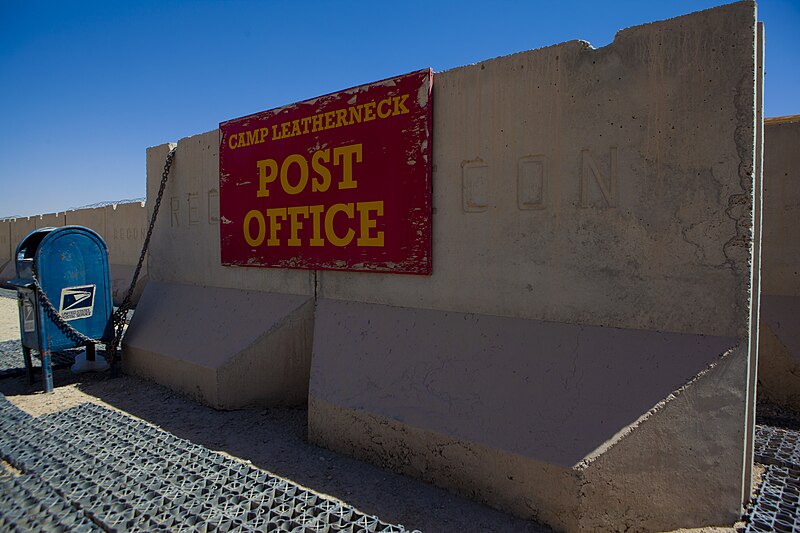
<point>65,327</point>
<point>119,317</point>
<point>122,311</point>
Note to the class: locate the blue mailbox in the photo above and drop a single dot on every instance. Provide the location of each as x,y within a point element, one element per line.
<point>71,267</point>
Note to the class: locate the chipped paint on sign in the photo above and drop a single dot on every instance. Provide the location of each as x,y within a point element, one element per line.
<point>339,182</point>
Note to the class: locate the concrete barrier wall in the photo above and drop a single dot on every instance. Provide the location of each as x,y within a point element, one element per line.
<point>122,226</point>
<point>580,353</point>
<point>614,195</point>
<point>622,232</point>
<point>18,229</point>
<point>185,247</point>
<point>184,252</point>
<point>5,243</point>
<point>50,220</point>
<point>779,342</point>
<point>93,218</point>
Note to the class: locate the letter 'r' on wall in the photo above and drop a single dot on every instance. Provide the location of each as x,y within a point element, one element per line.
<point>475,186</point>
<point>598,189</point>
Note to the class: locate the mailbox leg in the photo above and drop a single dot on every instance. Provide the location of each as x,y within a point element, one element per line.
<point>47,371</point>
<point>90,351</point>
<point>26,353</point>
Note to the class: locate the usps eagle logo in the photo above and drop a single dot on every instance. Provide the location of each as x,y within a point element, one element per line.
<point>77,302</point>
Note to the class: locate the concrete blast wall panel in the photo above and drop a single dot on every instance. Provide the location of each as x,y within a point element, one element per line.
<point>123,227</point>
<point>19,228</point>
<point>184,252</point>
<point>50,220</point>
<point>779,336</point>
<point>5,245</point>
<point>581,352</point>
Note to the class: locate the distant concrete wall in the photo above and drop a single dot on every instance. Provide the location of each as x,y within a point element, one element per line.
<point>21,228</point>
<point>50,220</point>
<point>584,326</point>
<point>779,343</point>
<point>5,245</point>
<point>122,226</point>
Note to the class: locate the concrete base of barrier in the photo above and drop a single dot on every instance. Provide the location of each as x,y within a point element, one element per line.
<point>226,348</point>
<point>535,418</point>
<point>779,350</point>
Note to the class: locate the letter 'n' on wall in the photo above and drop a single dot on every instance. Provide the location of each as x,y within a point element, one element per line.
<point>598,188</point>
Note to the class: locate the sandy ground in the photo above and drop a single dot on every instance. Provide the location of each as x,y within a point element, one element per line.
<point>271,439</point>
<point>9,318</point>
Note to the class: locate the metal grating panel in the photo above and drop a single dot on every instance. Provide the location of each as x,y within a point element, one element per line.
<point>777,446</point>
<point>125,474</point>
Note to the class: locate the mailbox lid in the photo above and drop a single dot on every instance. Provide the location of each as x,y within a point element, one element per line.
<point>72,263</point>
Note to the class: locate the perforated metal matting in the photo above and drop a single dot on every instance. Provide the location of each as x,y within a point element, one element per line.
<point>122,474</point>
<point>776,506</point>
<point>777,446</point>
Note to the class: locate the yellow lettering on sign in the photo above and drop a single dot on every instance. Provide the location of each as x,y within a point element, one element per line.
<point>262,228</point>
<point>301,162</point>
<point>367,223</point>
<point>295,224</point>
<point>316,123</point>
<point>329,120</point>
<point>369,111</point>
<point>295,127</point>
<point>385,108</point>
<point>345,154</point>
<point>341,117</point>
<point>267,172</point>
<point>322,181</point>
<point>295,181</point>
<point>333,238</point>
<point>316,216</point>
<point>355,114</point>
<point>399,108</point>
<point>337,118</point>
<point>338,225</point>
<point>275,224</point>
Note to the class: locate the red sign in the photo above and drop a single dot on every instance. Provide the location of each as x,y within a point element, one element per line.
<point>338,182</point>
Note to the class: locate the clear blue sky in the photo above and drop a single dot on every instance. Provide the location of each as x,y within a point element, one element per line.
<point>86,87</point>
